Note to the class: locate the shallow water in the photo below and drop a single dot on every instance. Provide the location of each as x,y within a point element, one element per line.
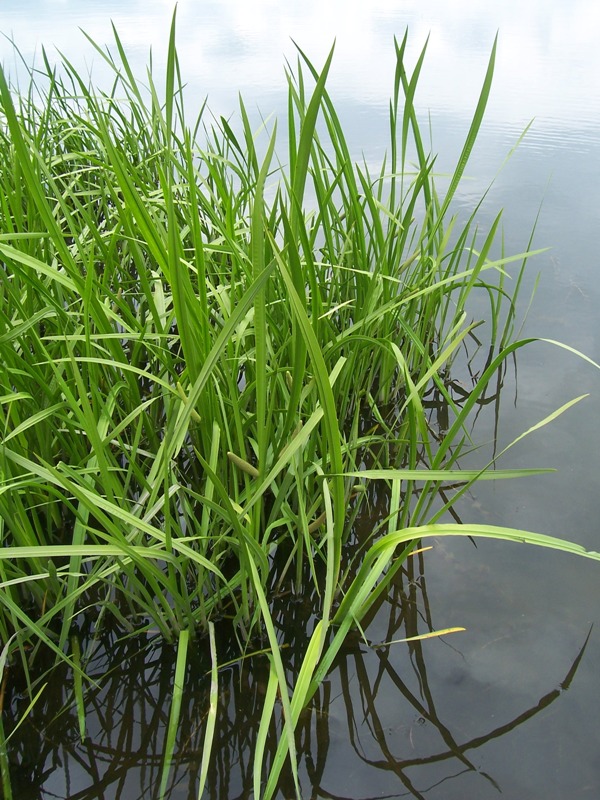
<point>495,708</point>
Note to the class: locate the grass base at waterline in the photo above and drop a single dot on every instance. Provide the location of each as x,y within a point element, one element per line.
<point>190,350</point>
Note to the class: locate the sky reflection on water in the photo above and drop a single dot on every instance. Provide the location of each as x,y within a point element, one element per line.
<point>547,58</point>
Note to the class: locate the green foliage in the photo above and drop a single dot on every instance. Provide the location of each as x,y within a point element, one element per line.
<point>208,357</point>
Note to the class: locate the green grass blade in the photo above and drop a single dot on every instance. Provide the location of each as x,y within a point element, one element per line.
<point>211,719</point>
<point>176,698</point>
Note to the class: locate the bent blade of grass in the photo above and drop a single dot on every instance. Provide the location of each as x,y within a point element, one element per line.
<point>570,349</point>
<point>371,575</point>
<point>12,254</point>
<point>125,367</point>
<point>382,551</point>
<point>31,421</point>
<point>16,331</point>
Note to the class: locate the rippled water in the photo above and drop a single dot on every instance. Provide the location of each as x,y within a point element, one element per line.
<point>507,706</point>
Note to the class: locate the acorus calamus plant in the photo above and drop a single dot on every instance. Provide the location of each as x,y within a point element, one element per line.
<point>211,350</point>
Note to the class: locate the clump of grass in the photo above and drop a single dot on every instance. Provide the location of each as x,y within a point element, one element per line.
<point>204,371</point>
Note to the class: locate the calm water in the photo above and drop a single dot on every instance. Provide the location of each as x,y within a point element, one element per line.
<point>506,707</point>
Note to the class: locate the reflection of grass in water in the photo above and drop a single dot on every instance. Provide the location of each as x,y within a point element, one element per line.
<point>188,367</point>
<point>129,714</point>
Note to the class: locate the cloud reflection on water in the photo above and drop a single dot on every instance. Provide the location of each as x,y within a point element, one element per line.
<point>547,58</point>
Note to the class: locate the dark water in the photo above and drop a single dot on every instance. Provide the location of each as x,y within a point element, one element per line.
<point>510,707</point>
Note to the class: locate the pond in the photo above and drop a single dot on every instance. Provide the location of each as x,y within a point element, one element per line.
<point>510,706</point>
